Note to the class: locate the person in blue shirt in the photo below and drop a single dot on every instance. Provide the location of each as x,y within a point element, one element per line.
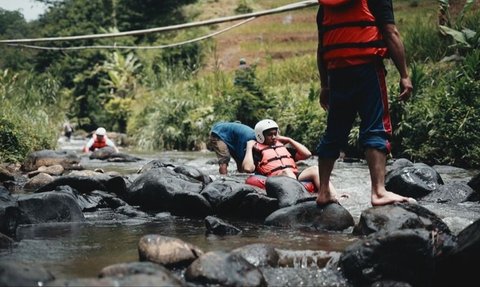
<point>229,140</point>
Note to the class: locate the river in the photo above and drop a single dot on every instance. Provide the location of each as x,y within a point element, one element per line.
<point>71,250</point>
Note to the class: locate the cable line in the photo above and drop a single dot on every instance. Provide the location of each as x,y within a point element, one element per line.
<point>132,47</point>
<point>289,7</point>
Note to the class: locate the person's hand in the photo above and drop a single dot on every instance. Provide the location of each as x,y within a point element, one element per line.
<point>406,89</point>
<point>324,97</point>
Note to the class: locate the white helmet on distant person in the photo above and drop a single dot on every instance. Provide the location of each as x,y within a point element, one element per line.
<point>100,132</point>
<point>262,126</point>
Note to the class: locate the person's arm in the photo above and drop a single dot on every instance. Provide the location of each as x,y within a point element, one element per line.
<point>111,144</point>
<point>302,151</point>
<point>248,164</point>
<point>87,146</point>
<point>396,51</point>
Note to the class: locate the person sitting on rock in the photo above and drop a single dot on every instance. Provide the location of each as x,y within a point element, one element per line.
<point>269,155</point>
<point>99,140</point>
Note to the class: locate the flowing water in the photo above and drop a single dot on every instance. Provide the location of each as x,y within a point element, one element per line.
<point>71,250</point>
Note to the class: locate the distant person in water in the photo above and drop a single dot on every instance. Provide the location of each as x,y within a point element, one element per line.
<point>99,140</point>
<point>67,130</point>
<point>229,140</point>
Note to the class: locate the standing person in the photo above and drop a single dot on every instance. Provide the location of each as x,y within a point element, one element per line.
<point>269,155</point>
<point>67,130</point>
<point>228,140</point>
<point>354,37</point>
<point>99,140</point>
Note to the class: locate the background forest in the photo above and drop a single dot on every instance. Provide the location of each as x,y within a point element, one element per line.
<point>168,98</point>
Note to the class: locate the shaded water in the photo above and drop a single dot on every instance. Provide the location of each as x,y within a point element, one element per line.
<point>83,249</point>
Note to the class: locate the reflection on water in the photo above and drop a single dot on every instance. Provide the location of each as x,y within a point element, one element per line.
<point>83,249</point>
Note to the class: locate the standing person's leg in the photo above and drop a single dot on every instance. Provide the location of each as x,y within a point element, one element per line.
<point>341,114</point>
<point>376,160</point>
<point>375,130</point>
<point>313,174</point>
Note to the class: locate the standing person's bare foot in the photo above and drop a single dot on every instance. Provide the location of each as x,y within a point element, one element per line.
<point>327,197</point>
<point>388,197</point>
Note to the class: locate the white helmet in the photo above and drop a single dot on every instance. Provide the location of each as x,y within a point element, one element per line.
<point>262,126</point>
<point>100,132</point>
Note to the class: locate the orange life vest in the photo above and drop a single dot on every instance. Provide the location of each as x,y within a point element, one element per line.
<point>274,160</point>
<point>349,31</point>
<point>97,143</point>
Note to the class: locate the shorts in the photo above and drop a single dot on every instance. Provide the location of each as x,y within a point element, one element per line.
<point>357,90</point>
<point>216,145</point>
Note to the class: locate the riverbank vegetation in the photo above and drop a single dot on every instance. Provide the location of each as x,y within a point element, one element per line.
<point>167,99</point>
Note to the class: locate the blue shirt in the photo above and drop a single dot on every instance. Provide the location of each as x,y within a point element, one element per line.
<point>235,136</point>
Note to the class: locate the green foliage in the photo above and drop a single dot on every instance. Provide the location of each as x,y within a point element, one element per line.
<point>243,8</point>
<point>29,116</point>
<point>14,26</point>
<point>440,126</point>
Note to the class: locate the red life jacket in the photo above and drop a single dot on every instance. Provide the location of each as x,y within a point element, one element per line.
<point>349,31</point>
<point>97,143</point>
<point>274,160</point>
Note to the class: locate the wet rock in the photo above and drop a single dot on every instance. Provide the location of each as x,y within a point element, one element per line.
<point>228,197</point>
<point>460,266</point>
<point>87,184</point>
<point>109,154</point>
<point>5,174</point>
<point>162,189</point>
<point>452,193</point>
<point>168,251</point>
<point>55,170</point>
<point>193,172</point>
<point>48,207</point>
<point>474,183</point>
<point>5,241</point>
<point>38,181</point>
<point>9,212</point>
<point>255,206</point>
<point>67,159</point>
<point>217,226</point>
<point>287,190</point>
<point>413,181</point>
<point>130,211</point>
<point>16,274</point>
<point>332,217</point>
<point>399,216</point>
<point>402,255</point>
<point>154,164</point>
<point>224,269</point>
<point>161,275</point>
<point>259,254</point>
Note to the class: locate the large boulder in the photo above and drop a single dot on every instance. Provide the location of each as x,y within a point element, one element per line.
<point>88,183</point>
<point>162,189</point>
<point>48,207</point>
<point>15,274</point>
<point>401,255</point>
<point>231,197</point>
<point>287,190</point>
<point>414,181</point>
<point>67,159</point>
<point>224,269</point>
<point>459,267</point>
<point>168,251</point>
<point>330,217</point>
